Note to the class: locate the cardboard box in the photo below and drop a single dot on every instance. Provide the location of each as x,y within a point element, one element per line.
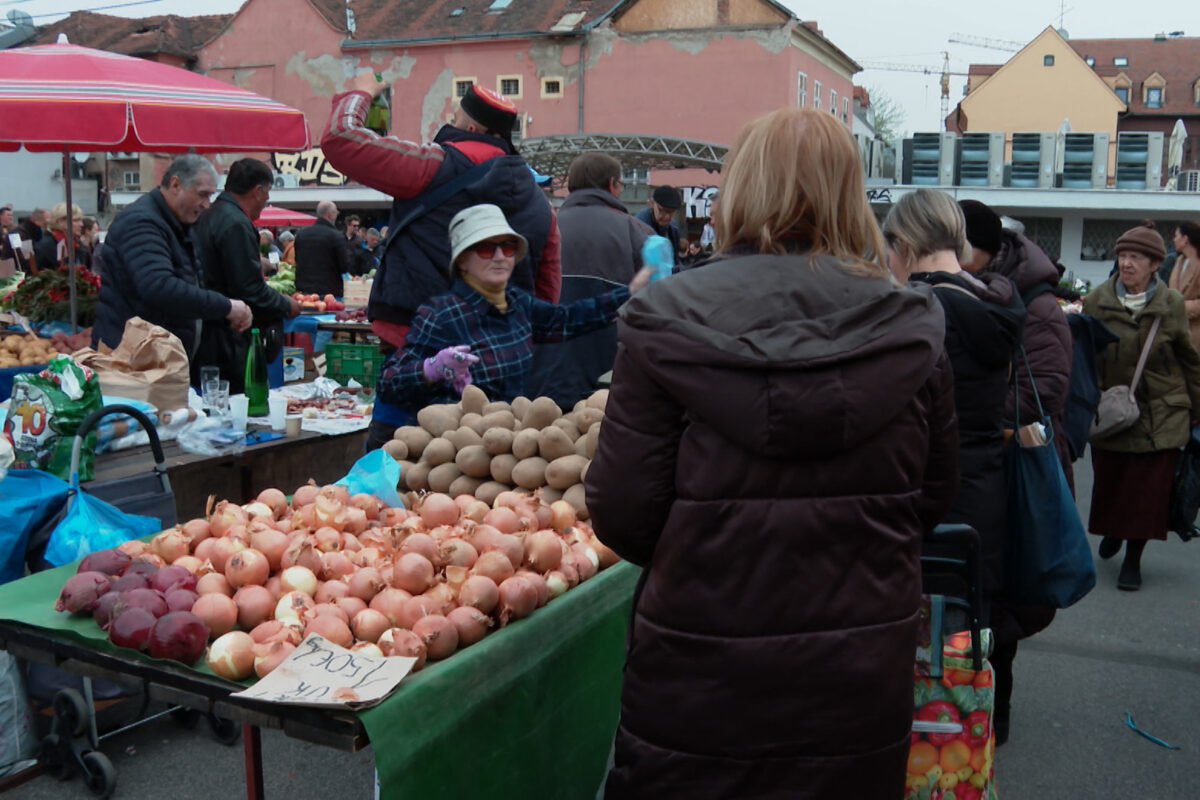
<point>356,292</point>
<point>293,364</point>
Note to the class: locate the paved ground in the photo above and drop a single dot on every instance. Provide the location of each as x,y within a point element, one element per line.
<point>1111,652</point>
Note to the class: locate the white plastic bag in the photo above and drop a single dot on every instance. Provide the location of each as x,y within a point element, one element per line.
<point>18,745</point>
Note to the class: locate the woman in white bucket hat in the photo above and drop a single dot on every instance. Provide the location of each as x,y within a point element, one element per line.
<point>482,331</point>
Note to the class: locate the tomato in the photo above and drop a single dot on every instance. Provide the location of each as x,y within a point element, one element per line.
<point>959,641</point>
<point>921,758</point>
<point>954,755</point>
<point>983,679</point>
<point>959,677</point>
<point>967,792</point>
<point>979,759</point>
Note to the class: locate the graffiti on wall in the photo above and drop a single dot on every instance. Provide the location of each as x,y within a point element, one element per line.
<point>309,166</point>
<point>697,201</point>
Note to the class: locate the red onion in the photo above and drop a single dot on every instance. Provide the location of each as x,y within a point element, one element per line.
<point>180,599</point>
<point>495,565</point>
<point>255,605</point>
<point>131,628</point>
<point>110,561</point>
<point>269,656</point>
<point>471,623</point>
<point>142,566</point>
<point>179,636</point>
<point>172,577</point>
<point>439,634</point>
<point>543,551</point>
<point>365,583</point>
<point>369,624</point>
<point>231,656</point>
<point>518,599</point>
<point>149,599</point>
<point>438,509</point>
<point>332,628</point>
<point>134,580</point>
<point>102,613</point>
<point>214,583</point>
<point>480,592</point>
<point>149,560</point>
<point>218,612</point>
<point>403,643</point>
<point>413,573</point>
<point>390,602</point>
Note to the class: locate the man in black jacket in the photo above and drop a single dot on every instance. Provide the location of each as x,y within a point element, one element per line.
<point>228,246</point>
<point>321,254</point>
<point>150,267</point>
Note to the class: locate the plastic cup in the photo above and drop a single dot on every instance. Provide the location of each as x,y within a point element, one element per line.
<point>292,424</point>
<point>277,407</point>
<point>239,405</point>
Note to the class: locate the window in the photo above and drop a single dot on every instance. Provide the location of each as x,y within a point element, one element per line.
<point>458,12</point>
<point>816,94</point>
<point>462,86</point>
<point>801,90</point>
<point>509,85</point>
<point>846,109</point>
<point>636,176</point>
<point>1123,93</point>
<point>833,102</point>
<point>1091,62</point>
<point>1120,61</point>
<point>1154,97</point>
<point>516,128</point>
<point>133,180</point>
<point>552,87</point>
<point>1048,60</point>
<point>498,5</point>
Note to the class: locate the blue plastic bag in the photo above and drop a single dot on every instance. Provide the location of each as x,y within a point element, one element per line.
<point>91,524</point>
<point>658,254</point>
<point>28,499</point>
<point>375,473</point>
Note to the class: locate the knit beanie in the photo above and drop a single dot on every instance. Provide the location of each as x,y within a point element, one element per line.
<point>1143,240</point>
<point>984,226</point>
<point>493,111</point>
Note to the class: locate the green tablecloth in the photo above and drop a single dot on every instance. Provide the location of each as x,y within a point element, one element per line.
<point>528,711</point>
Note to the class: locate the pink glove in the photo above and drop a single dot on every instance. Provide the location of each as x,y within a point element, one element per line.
<point>451,364</point>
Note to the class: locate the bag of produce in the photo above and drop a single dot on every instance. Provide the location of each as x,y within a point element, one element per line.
<point>90,524</point>
<point>148,364</point>
<point>44,412</point>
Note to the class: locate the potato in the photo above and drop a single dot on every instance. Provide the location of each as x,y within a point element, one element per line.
<point>587,417</point>
<point>439,419</point>
<point>463,437</point>
<point>525,443</point>
<point>582,404</point>
<point>530,473</point>
<point>487,491</point>
<point>441,476</point>
<point>498,419</point>
<point>418,476</point>
<point>581,446</point>
<point>13,342</point>
<point>440,451</point>
<point>463,484</point>
<point>564,472</point>
<point>583,472</point>
<point>520,405</point>
<point>576,496</point>
<point>406,466</point>
<point>396,449</point>
<point>568,427</point>
<point>550,495</point>
<point>474,461</point>
<point>555,443</point>
<point>493,407</point>
<point>542,412</point>
<point>473,399</point>
<point>497,441</point>
<point>593,436</point>
<point>472,420</point>
<point>598,399</point>
<point>501,467</point>
<point>415,438</point>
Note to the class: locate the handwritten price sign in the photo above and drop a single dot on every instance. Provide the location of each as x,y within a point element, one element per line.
<point>319,673</point>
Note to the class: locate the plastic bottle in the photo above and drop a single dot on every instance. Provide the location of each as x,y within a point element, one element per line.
<point>658,254</point>
<point>256,377</point>
<point>379,115</point>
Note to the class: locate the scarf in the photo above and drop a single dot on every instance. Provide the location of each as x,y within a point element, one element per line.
<point>1135,303</point>
<point>496,297</point>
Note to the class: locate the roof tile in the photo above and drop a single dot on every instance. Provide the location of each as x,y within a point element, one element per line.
<point>165,34</point>
<point>432,19</point>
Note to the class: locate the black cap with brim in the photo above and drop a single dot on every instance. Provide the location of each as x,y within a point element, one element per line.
<point>483,106</point>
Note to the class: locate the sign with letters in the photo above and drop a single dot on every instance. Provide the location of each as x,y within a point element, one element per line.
<point>309,166</point>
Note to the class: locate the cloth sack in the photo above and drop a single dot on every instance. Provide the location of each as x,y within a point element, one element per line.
<point>148,364</point>
<point>1118,408</point>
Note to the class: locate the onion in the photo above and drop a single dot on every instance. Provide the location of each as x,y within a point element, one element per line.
<point>149,559</point>
<point>134,580</point>
<point>231,656</point>
<point>369,624</point>
<point>413,573</point>
<point>495,565</point>
<point>298,579</point>
<point>539,586</point>
<point>172,577</point>
<point>190,563</point>
<point>218,612</point>
<point>480,592</point>
<point>503,519</point>
<point>365,583</point>
<point>224,517</point>
<point>102,613</point>
<point>456,576</point>
<point>327,539</point>
<point>417,607</point>
<point>335,492</point>
<point>179,635</point>
<point>511,499</point>
<point>271,543</point>
<point>274,498</point>
<point>257,510</point>
<point>350,543</point>
<point>367,649</point>
<point>471,624</point>
<point>292,606</point>
<point>301,553</point>
<point>562,515</point>
<point>390,603</point>
<point>255,605</point>
<point>204,550</point>
<point>266,631</point>
<point>439,634</point>
<point>568,571</point>
<point>444,595</point>
<point>332,628</point>
<point>269,656</point>
<point>170,545</point>
<point>223,550</point>
<point>150,599</point>
<point>110,561</point>
<point>336,566</point>
<point>586,560</point>
<point>304,517</point>
<point>425,545</point>
<point>458,552</point>
<point>393,515</point>
<point>405,644</point>
<point>518,599</point>
<point>350,605</point>
<point>326,610</point>
<point>214,583</point>
<point>329,591</point>
<point>369,503</point>
<point>328,511</point>
<point>605,555</point>
<point>438,509</point>
<point>177,600</point>
<point>475,510</point>
<point>133,548</point>
<point>82,591</point>
<point>142,565</point>
<point>305,495</point>
<point>354,520</point>
<point>131,628</point>
<point>543,551</point>
<point>246,567</point>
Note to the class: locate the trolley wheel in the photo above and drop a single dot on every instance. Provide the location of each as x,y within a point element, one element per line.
<point>99,774</point>
<point>186,718</point>
<point>72,710</point>
<point>225,731</point>
<point>52,757</point>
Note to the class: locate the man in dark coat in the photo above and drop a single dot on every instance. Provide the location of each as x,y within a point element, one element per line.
<point>778,436</point>
<point>150,266</point>
<point>659,216</point>
<point>228,247</point>
<point>321,254</point>
<point>601,249</point>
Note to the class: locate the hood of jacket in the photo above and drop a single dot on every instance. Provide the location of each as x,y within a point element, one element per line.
<point>989,327</point>
<point>808,355</point>
<point>1023,262</point>
<point>593,198</point>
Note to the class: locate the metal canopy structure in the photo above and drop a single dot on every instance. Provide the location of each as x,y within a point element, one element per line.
<point>551,155</point>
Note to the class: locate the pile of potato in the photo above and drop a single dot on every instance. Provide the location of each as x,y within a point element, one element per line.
<point>22,351</point>
<point>483,448</point>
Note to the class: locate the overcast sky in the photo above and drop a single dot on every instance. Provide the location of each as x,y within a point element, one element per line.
<point>915,32</point>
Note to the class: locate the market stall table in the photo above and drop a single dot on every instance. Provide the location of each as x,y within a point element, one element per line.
<point>529,710</point>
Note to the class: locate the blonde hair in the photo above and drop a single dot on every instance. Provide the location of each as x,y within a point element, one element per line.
<point>794,174</point>
<point>927,221</point>
<point>58,214</point>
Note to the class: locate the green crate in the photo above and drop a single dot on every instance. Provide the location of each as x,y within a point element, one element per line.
<point>344,361</point>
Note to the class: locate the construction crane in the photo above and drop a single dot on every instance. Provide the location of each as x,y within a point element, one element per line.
<point>982,41</point>
<point>944,73</point>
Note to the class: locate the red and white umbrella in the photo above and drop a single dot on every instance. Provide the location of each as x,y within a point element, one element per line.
<point>276,217</point>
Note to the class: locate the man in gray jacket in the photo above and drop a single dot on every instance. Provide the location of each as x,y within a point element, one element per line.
<point>601,249</point>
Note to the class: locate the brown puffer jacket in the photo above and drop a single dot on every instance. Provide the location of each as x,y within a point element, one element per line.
<point>778,435</point>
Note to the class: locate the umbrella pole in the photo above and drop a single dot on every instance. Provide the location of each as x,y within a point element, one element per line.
<point>66,170</point>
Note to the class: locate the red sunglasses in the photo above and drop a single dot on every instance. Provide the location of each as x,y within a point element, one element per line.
<point>488,249</point>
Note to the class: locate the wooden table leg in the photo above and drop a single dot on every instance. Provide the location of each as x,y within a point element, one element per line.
<point>252,752</point>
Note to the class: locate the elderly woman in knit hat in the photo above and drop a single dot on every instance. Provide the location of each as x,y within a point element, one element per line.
<point>482,331</point>
<point>1134,467</point>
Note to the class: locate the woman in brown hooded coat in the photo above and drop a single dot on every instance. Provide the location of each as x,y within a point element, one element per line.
<point>780,432</point>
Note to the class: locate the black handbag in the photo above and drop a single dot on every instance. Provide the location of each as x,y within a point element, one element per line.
<point>1185,490</point>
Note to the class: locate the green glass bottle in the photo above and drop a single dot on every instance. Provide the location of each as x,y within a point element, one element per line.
<point>256,377</point>
<point>379,115</point>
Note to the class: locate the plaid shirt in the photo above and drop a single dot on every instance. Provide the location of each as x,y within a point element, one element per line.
<point>502,340</point>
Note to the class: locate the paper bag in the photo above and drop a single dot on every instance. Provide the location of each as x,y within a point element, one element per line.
<point>148,364</point>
